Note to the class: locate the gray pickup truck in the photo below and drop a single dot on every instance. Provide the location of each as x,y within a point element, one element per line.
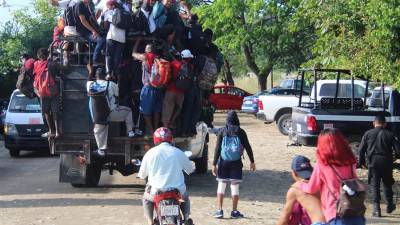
<point>352,116</point>
<point>77,165</point>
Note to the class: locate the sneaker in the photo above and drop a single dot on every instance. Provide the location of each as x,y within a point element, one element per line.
<point>219,214</point>
<point>100,153</point>
<point>45,135</point>
<point>236,214</point>
<point>131,134</point>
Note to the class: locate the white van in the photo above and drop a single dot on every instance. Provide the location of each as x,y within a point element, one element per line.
<point>23,125</point>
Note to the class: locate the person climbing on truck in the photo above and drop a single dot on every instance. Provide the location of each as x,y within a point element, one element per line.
<point>150,97</point>
<point>377,148</point>
<point>45,73</point>
<point>163,168</point>
<point>227,164</point>
<point>104,109</point>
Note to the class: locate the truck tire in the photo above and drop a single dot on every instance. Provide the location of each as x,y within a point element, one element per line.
<point>93,174</point>
<point>14,152</point>
<point>202,163</point>
<point>284,123</point>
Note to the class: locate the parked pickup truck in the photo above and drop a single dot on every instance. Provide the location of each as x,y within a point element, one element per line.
<point>351,115</point>
<point>78,166</point>
<point>278,108</point>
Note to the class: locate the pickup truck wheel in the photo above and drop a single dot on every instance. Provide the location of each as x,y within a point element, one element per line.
<point>93,174</point>
<point>14,152</point>
<point>202,163</point>
<point>284,123</point>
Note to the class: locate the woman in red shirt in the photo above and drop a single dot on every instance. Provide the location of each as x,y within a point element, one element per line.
<point>333,156</point>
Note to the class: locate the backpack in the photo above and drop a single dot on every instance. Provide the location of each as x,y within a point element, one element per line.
<point>350,204</point>
<point>159,14</point>
<point>208,75</point>
<point>184,80</point>
<point>231,148</point>
<point>121,18</point>
<point>45,83</point>
<point>160,73</point>
<point>25,83</point>
<point>69,15</point>
<point>99,103</point>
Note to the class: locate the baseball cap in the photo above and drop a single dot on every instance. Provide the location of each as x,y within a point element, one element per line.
<point>186,54</point>
<point>302,166</point>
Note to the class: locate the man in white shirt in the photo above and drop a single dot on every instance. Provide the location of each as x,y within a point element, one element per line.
<point>163,165</point>
<point>117,113</point>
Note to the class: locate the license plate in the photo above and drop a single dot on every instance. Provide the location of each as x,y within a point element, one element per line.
<point>34,121</point>
<point>328,125</point>
<point>169,210</point>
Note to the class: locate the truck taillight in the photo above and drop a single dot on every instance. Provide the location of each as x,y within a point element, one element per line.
<point>260,105</point>
<point>311,123</point>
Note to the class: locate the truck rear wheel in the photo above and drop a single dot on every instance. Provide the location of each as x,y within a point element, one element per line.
<point>284,123</point>
<point>202,163</point>
<point>92,178</point>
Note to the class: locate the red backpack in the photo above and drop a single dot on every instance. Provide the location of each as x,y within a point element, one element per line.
<point>44,82</point>
<point>160,73</point>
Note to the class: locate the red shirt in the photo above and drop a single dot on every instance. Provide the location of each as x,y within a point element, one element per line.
<point>147,68</point>
<point>175,66</point>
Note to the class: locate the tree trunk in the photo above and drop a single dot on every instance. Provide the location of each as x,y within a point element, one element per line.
<point>228,73</point>
<point>262,78</point>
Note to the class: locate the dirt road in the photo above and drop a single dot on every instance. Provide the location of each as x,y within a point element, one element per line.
<point>31,195</point>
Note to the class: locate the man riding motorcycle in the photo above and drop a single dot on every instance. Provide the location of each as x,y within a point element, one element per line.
<point>163,166</point>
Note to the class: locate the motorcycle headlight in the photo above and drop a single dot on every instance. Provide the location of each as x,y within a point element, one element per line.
<point>10,129</point>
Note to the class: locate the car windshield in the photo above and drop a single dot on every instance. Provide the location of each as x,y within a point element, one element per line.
<point>21,103</point>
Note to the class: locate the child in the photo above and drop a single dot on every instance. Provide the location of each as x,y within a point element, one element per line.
<point>227,165</point>
<point>301,208</point>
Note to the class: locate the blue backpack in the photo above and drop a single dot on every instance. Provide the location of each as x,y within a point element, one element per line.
<point>231,148</point>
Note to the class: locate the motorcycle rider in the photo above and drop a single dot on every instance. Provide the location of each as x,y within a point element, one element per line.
<point>163,166</point>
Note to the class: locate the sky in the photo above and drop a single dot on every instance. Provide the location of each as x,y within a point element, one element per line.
<point>11,5</point>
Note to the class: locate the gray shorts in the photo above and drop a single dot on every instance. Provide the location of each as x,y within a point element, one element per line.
<point>49,104</point>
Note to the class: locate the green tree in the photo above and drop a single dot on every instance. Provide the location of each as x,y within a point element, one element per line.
<point>29,30</point>
<point>361,35</point>
<point>259,31</point>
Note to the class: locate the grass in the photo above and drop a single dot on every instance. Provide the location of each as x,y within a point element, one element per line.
<point>250,84</point>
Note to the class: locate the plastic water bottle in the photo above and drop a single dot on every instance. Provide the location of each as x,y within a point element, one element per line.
<point>348,190</point>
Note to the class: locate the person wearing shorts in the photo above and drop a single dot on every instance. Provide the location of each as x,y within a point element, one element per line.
<point>227,170</point>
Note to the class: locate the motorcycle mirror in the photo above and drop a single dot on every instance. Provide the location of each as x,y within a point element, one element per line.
<point>136,162</point>
<point>188,154</point>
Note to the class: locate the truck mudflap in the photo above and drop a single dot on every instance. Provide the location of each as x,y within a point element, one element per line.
<point>72,169</point>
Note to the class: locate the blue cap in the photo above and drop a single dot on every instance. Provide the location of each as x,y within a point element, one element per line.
<point>302,166</point>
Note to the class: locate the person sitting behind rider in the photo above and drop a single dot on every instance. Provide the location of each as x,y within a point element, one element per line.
<point>163,166</point>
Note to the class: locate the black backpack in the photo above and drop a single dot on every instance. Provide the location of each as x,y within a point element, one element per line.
<point>122,19</point>
<point>184,80</point>
<point>99,107</point>
<point>25,83</point>
<point>69,15</point>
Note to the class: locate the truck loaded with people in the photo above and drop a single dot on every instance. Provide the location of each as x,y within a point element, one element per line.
<point>115,72</point>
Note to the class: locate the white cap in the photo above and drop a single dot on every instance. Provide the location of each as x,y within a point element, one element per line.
<point>186,54</point>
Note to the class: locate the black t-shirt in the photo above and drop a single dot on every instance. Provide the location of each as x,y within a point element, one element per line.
<point>82,9</point>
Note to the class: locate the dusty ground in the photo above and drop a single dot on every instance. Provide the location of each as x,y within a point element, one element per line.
<point>31,195</point>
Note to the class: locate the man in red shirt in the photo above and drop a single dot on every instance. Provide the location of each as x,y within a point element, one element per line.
<point>173,99</point>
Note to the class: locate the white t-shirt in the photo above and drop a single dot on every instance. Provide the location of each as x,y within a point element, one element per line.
<point>114,33</point>
<point>64,4</point>
<point>150,18</point>
<point>163,165</point>
<point>113,91</point>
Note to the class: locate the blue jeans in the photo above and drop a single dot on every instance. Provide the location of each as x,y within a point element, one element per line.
<point>191,109</point>
<point>100,41</point>
<point>358,220</point>
<point>114,51</point>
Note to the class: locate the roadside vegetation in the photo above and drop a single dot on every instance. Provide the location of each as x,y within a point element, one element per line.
<point>256,36</point>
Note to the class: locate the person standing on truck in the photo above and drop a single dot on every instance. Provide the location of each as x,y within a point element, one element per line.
<point>163,166</point>
<point>301,208</point>
<point>150,97</point>
<point>114,112</point>
<point>378,145</point>
<point>227,164</point>
<point>45,72</point>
